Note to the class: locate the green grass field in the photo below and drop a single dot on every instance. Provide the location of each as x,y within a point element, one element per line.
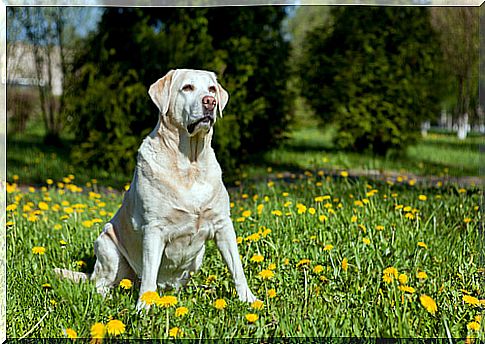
<point>349,257</point>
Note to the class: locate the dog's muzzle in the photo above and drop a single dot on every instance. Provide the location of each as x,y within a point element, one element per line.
<point>207,120</point>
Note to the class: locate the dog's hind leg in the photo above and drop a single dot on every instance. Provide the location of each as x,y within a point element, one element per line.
<point>111,267</point>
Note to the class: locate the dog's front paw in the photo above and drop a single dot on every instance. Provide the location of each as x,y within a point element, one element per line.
<point>246,295</point>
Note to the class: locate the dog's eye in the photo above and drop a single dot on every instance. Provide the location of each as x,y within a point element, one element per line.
<point>188,88</point>
<point>212,89</point>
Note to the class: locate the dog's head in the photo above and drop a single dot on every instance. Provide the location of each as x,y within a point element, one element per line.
<point>191,98</point>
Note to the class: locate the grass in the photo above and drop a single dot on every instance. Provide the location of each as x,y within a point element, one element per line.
<point>371,225</point>
<point>311,148</point>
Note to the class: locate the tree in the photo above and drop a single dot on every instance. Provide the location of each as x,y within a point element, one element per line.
<point>458,34</point>
<point>49,35</point>
<point>132,47</point>
<point>371,71</point>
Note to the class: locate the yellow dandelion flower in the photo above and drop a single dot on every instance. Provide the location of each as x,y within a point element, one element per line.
<point>271,293</point>
<point>175,332</point>
<point>471,300</point>
<point>251,317</point>
<point>11,207</point>
<point>260,209</point>
<point>257,258</point>
<point>253,237</point>
<point>428,303</point>
<point>277,212</point>
<point>467,220</point>
<point>38,250</point>
<point>62,242</point>
<point>387,278</point>
<point>167,301</point>
<point>473,326</point>
<point>43,206</point>
<point>392,271</point>
<point>323,218</point>
<point>344,174</point>
<point>358,203</point>
<point>311,211</point>
<point>422,275</point>
<point>302,262</point>
<point>422,197</point>
<point>258,304</point>
<point>126,283</point>
<point>478,318</point>
<point>57,226</point>
<point>220,304</point>
<point>345,264</point>
<point>246,213</point>
<point>272,266</point>
<point>403,279</point>
<point>266,274</point>
<point>98,330</point>
<point>81,263</point>
<point>328,247</point>
<point>87,223</point>
<point>210,279</point>
<point>366,241</point>
<point>318,269</point>
<point>266,232</point>
<point>422,244</point>
<point>70,333</point>
<point>301,208</point>
<point>353,219</point>
<point>115,327</point>
<point>407,289</point>
<point>150,297</point>
<point>181,311</point>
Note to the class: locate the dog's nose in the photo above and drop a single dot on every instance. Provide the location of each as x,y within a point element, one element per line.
<point>209,103</point>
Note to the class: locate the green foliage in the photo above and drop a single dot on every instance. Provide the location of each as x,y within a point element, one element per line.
<point>132,48</point>
<point>371,72</point>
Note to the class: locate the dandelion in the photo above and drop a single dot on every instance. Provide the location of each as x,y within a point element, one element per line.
<point>328,247</point>
<point>366,241</point>
<point>471,300</point>
<point>46,286</point>
<point>98,330</point>
<point>271,293</point>
<point>150,297</point>
<point>260,209</point>
<point>266,274</point>
<point>301,208</point>
<point>246,213</point>
<point>257,258</point>
<point>70,333</point>
<point>303,262</point>
<point>62,242</point>
<point>473,326</point>
<point>311,211</point>
<point>422,197</point>
<point>87,223</point>
<point>181,311</point>
<point>115,327</point>
<point>353,219</point>
<point>11,207</point>
<point>43,206</point>
<point>251,317</point>
<point>467,220</point>
<point>277,212</point>
<point>167,301</point>
<point>407,289</point>
<point>126,283</point>
<point>403,279</point>
<point>318,269</point>
<point>253,237</point>
<point>272,266</point>
<point>57,226</point>
<point>175,332</point>
<point>428,303</point>
<point>422,275</point>
<point>323,218</point>
<point>345,264</point>
<point>422,244</point>
<point>478,318</point>
<point>81,264</point>
<point>258,304</point>
<point>38,250</point>
<point>220,304</point>
<point>344,174</point>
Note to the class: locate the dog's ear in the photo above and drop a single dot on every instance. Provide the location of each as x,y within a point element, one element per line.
<point>160,92</point>
<point>223,98</point>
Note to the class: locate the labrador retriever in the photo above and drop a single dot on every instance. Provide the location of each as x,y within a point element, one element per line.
<point>176,200</point>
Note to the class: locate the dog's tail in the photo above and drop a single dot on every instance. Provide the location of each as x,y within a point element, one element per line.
<point>72,275</point>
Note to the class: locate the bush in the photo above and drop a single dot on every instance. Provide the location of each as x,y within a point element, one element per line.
<point>132,48</point>
<point>372,72</point>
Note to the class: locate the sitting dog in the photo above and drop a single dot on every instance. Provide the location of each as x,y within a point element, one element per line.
<point>176,200</point>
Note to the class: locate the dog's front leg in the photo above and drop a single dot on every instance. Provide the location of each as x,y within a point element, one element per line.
<point>153,247</point>
<point>225,238</point>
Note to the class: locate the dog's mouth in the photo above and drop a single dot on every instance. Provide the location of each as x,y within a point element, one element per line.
<point>207,120</point>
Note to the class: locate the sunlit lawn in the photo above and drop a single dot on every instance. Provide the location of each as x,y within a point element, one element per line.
<point>349,257</point>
